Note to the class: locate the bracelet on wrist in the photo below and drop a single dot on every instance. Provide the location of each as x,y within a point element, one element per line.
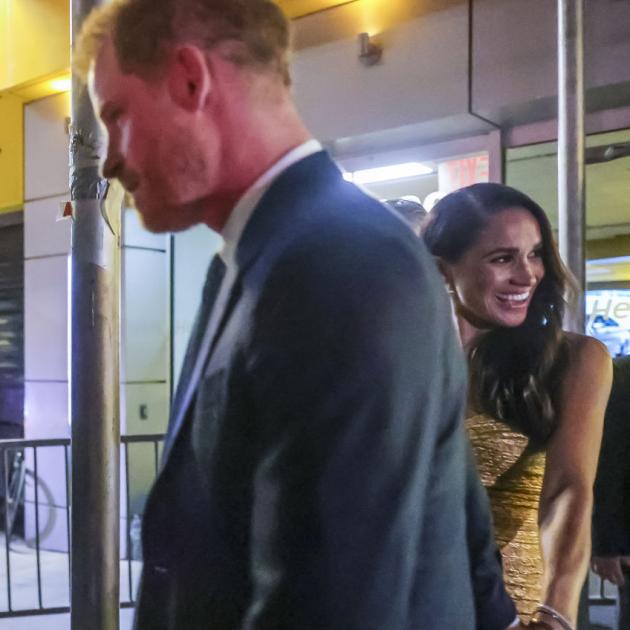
<point>559,621</point>
<point>540,623</point>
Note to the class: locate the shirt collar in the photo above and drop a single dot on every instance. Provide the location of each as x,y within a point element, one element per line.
<point>245,206</point>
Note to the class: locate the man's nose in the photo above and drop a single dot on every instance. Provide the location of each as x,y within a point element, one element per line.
<point>111,166</point>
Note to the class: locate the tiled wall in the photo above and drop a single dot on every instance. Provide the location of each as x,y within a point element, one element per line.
<point>145,351</point>
<point>46,250</point>
<point>192,251</point>
<point>145,321</point>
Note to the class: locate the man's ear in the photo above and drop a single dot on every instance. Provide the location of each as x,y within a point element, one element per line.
<point>189,78</point>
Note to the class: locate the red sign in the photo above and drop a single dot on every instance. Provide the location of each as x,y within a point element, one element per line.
<point>454,174</point>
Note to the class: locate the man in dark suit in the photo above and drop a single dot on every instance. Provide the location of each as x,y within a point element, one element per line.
<point>314,473</point>
<point>611,510</point>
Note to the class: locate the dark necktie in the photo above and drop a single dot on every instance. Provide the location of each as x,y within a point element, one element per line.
<point>211,288</point>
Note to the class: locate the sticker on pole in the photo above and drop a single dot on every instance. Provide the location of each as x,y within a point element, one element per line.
<point>66,211</point>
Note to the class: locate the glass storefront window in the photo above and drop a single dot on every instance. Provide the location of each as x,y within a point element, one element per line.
<point>441,177</point>
<point>533,169</point>
<point>608,319</point>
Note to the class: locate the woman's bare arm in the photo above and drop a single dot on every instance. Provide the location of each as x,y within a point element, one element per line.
<point>567,495</point>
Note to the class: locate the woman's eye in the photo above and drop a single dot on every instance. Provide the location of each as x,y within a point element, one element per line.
<point>501,259</point>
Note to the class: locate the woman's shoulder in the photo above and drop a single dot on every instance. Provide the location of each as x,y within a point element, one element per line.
<point>586,348</point>
<point>588,357</point>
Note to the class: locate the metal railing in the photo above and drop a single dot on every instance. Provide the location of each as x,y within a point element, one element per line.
<point>601,593</point>
<point>30,486</point>
<point>24,485</point>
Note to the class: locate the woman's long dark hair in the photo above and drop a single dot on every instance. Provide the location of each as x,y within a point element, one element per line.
<point>515,372</point>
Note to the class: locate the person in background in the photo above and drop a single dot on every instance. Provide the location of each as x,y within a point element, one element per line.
<point>412,212</point>
<point>537,394</point>
<point>314,468</point>
<point>611,512</point>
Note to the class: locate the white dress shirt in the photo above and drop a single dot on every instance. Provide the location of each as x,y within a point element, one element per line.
<point>232,233</point>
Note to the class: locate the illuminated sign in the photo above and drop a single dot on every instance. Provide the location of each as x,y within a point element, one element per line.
<point>454,174</point>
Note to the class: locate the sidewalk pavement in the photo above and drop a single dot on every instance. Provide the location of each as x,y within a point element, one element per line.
<point>54,587</point>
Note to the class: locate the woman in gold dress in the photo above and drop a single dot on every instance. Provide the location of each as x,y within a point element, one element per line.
<point>537,393</point>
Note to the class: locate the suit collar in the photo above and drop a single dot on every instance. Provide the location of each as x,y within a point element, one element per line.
<point>282,198</point>
<point>246,205</point>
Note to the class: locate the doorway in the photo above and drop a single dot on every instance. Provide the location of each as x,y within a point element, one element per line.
<point>11,328</point>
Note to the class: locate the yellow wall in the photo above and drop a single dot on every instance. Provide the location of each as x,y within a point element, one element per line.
<point>298,8</point>
<point>34,44</point>
<point>34,40</point>
<point>11,153</point>
<point>321,21</point>
<point>613,247</point>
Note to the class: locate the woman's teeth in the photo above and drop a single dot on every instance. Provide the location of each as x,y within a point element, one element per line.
<point>513,297</point>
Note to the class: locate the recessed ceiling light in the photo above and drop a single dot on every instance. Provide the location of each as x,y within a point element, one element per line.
<point>387,173</point>
<point>61,85</point>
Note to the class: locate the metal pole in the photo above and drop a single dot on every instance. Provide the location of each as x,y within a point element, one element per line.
<point>571,204</point>
<point>94,379</point>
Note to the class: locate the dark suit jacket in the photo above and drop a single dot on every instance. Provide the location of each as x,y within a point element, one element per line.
<point>318,479</point>
<point>611,511</point>
<point>494,608</point>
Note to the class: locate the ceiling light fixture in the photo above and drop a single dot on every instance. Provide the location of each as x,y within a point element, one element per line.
<point>63,84</point>
<point>387,173</point>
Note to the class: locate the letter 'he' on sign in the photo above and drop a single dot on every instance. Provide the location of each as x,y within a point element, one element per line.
<point>621,310</point>
<point>596,310</point>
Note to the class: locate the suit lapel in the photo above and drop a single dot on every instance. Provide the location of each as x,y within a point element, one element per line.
<point>186,394</point>
<point>195,348</point>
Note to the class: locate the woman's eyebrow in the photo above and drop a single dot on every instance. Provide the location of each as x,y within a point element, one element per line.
<point>502,250</point>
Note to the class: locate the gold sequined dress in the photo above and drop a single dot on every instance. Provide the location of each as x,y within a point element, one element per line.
<point>512,473</point>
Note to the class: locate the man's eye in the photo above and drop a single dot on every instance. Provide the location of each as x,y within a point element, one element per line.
<point>111,115</point>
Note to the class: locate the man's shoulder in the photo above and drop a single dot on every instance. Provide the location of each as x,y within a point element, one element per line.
<point>327,209</point>
<point>315,225</point>
<point>314,188</point>
<point>363,240</point>
<point>311,202</point>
